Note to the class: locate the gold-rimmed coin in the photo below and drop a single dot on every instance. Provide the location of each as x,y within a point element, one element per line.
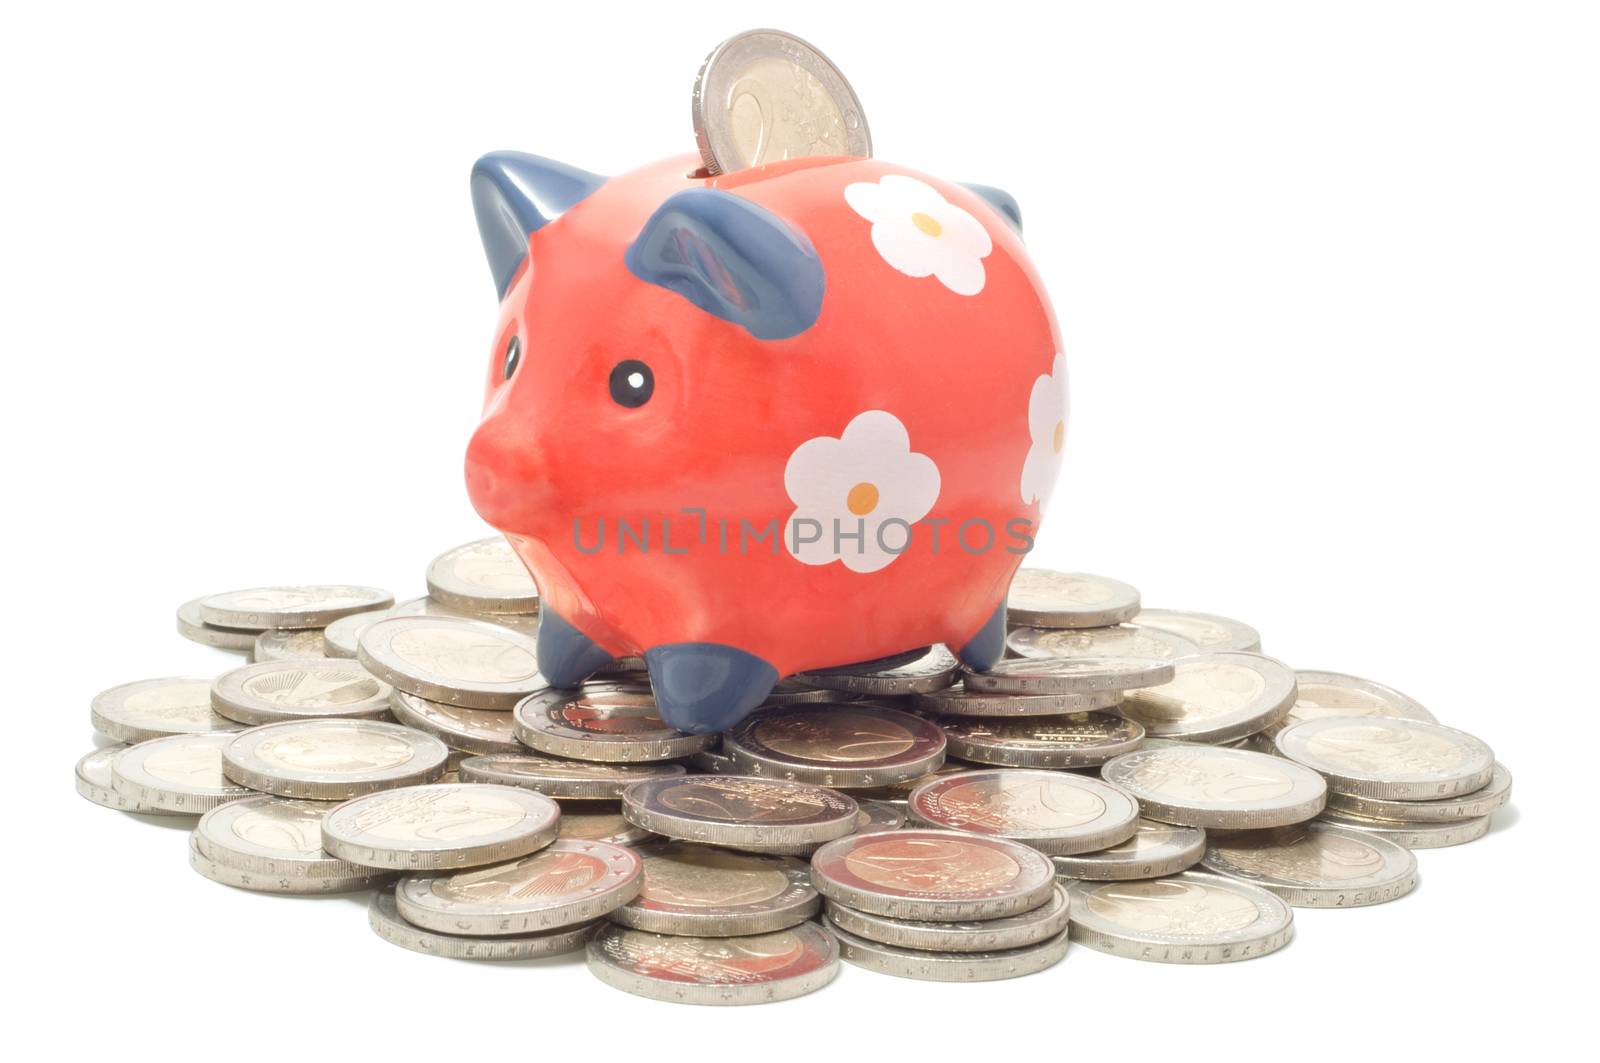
<point>1057,813</point>
<point>936,875</point>
<point>611,722</point>
<point>484,576</point>
<point>1045,598</point>
<point>306,606</point>
<point>848,745</point>
<point>453,661</point>
<point>1395,759</point>
<point>764,96</point>
<point>706,891</point>
<point>1074,740</point>
<point>157,708</point>
<point>298,689</point>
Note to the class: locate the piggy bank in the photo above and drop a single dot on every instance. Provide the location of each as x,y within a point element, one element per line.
<point>752,424</point>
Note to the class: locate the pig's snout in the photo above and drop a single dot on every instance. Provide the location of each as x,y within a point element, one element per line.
<point>505,476</point>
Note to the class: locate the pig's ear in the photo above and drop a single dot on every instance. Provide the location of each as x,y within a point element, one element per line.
<point>732,259</point>
<point>515,194</point>
<point>1004,203</point>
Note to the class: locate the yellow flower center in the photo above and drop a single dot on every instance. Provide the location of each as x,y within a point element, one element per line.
<point>1060,434</point>
<point>862,499</point>
<point>927,223</point>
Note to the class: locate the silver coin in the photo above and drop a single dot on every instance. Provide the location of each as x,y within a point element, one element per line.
<point>632,668</point>
<point>298,689</point>
<point>1068,675</point>
<point>984,935</point>
<point>1472,805</point>
<point>736,810</point>
<point>896,793</point>
<point>957,700</point>
<point>277,839</point>
<point>192,627</point>
<point>1210,632</point>
<point>873,817</point>
<point>564,883</point>
<point>1075,740</point>
<point>1336,694</point>
<point>1123,640</point>
<point>383,915</point>
<point>1315,865</point>
<point>877,664</point>
<point>1414,835</point>
<point>803,849</point>
<point>435,827</point>
<point>612,722</point>
<point>457,662</point>
<point>934,875</point>
<point>557,777</point>
<point>245,864</point>
<point>342,637</point>
<point>260,882</point>
<point>1190,917</point>
<point>485,576</point>
<point>1209,786</point>
<point>854,744</point>
<point>93,775</point>
<point>179,773</point>
<point>949,966</point>
<point>711,762</point>
<point>484,731</point>
<point>260,608</point>
<point>522,623</point>
<point>327,760</point>
<point>1215,697</point>
<point>1261,742</point>
<point>1055,812</point>
<point>157,708</point>
<point>765,96</point>
<point>793,692</point>
<point>1042,597</point>
<point>710,892</point>
<point>752,969</point>
<point>1184,743</point>
<point>1156,849</point>
<point>1401,760</point>
<point>284,644</point>
<point>933,669</point>
<point>600,821</point>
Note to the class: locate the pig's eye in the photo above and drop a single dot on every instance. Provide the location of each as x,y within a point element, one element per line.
<point>513,355</point>
<point>632,383</point>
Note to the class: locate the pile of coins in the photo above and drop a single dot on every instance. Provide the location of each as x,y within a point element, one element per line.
<point>904,814</point>
<point>1143,782</point>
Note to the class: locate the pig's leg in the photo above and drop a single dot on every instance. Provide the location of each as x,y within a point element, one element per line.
<point>702,686</point>
<point>984,650</point>
<point>566,655</point>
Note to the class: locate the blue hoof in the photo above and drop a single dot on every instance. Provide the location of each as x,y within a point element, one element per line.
<point>702,687</point>
<point>566,655</point>
<point>984,650</point>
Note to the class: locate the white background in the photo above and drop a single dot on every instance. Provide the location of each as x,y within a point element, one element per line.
<point>1327,279</point>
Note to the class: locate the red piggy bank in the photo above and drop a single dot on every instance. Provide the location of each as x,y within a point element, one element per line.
<point>792,417</point>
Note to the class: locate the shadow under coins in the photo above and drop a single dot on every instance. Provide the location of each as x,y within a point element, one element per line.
<point>1504,818</point>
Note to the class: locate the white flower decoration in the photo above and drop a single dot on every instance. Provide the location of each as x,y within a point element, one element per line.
<point>1047,425</point>
<point>858,483</point>
<point>918,232</point>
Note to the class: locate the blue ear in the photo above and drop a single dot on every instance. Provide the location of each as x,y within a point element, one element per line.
<point>1003,202</point>
<point>733,259</point>
<point>515,194</point>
